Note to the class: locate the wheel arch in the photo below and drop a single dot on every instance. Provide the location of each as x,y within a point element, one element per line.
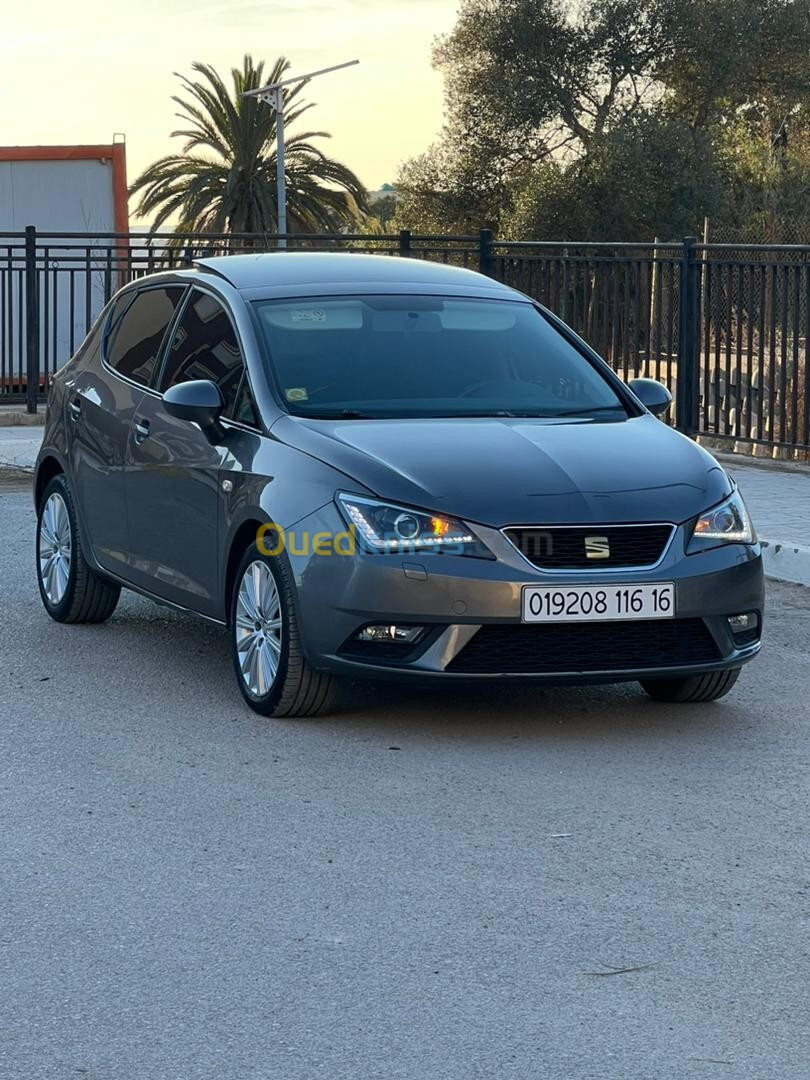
<point>48,467</point>
<point>241,540</point>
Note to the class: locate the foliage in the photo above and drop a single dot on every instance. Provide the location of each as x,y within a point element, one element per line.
<point>649,175</point>
<point>614,119</point>
<point>738,58</point>
<point>384,209</point>
<point>770,181</point>
<point>225,177</point>
<point>440,192</point>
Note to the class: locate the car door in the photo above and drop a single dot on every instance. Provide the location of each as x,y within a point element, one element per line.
<point>172,473</point>
<point>101,402</point>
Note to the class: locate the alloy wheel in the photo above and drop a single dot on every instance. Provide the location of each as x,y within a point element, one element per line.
<point>55,545</point>
<point>258,628</point>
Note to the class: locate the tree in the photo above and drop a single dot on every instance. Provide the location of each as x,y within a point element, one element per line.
<point>442,191</point>
<point>528,82</point>
<point>736,59</point>
<point>225,177</point>
<point>649,175</point>
<point>536,76</point>
<point>385,206</point>
<point>608,118</point>
<point>770,181</point>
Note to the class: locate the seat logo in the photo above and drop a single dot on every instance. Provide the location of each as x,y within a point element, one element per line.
<point>597,547</point>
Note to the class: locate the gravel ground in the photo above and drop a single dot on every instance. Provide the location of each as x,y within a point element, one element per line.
<point>477,883</point>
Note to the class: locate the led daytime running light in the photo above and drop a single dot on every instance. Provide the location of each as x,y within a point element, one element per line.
<point>438,531</point>
<point>712,525</point>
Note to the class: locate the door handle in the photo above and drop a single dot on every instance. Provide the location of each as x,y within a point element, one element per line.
<point>75,408</point>
<point>141,431</point>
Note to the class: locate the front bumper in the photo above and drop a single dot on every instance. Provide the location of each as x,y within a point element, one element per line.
<point>455,596</point>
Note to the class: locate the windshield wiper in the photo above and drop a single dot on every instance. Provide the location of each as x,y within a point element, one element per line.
<point>534,414</point>
<point>338,414</point>
<point>584,412</point>
<point>496,413</point>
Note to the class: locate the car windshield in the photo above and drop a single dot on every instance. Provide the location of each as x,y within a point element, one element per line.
<point>426,356</point>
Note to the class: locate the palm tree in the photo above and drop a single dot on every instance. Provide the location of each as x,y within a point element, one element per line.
<point>225,178</point>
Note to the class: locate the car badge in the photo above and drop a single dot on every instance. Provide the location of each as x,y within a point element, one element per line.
<point>597,547</point>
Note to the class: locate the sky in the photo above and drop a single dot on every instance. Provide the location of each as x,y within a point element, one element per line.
<point>78,71</point>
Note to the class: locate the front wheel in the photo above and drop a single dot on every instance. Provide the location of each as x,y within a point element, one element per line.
<point>274,676</point>
<point>694,688</point>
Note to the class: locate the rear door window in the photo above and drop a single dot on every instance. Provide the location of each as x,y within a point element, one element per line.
<point>136,331</point>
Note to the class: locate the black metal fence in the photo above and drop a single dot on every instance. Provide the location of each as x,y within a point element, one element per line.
<point>726,327</point>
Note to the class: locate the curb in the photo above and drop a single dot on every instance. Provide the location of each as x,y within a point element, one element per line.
<point>742,461</point>
<point>19,446</point>
<point>16,467</point>
<point>15,474</point>
<point>21,419</point>
<point>18,457</point>
<point>786,562</point>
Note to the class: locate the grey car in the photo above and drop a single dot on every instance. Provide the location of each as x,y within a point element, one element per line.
<point>385,467</point>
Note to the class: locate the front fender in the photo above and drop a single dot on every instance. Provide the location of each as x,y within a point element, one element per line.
<point>271,483</point>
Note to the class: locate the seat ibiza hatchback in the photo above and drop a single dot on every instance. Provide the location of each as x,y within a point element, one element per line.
<point>385,467</point>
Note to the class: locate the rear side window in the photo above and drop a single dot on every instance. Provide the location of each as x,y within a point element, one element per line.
<point>204,346</point>
<point>137,329</point>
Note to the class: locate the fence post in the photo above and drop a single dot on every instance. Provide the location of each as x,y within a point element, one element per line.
<point>688,332</point>
<point>404,242</point>
<point>485,252</point>
<point>31,320</point>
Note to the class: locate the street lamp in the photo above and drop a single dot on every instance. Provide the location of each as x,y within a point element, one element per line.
<point>273,95</point>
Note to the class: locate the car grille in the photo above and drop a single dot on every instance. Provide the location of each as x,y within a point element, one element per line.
<point>564,547</point>
<point>586,647</point>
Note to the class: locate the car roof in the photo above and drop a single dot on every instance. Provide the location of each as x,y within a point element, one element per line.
<point>281,271</point>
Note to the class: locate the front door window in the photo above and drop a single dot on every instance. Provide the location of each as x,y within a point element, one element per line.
<point>204,346</point>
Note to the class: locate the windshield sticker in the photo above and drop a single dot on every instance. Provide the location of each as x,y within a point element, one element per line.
<point>296,393</point>
<point>306,316</point>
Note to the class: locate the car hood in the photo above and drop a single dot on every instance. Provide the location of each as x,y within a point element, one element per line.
<point>518,471</point>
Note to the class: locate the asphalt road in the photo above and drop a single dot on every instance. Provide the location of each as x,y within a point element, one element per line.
<point>470,884</point>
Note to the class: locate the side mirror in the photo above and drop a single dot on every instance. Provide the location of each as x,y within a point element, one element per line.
<point>198,402</point>
<point>653,395</point>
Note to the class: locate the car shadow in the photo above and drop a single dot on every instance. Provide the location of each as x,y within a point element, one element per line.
<point>499,710</point>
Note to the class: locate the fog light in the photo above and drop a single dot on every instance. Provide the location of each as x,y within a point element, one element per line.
<point>403,635</point>
<point>744,627</point>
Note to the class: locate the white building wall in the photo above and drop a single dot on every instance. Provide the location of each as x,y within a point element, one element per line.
<point>54,196</point>
<point>57,196</point>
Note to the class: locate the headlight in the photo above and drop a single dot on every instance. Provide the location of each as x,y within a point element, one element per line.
<point>727,523</point>
<point>386,527</point>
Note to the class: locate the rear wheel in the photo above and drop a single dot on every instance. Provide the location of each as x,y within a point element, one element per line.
<point>274,676</point>
<point>695,688</point>
<point>71,591</point>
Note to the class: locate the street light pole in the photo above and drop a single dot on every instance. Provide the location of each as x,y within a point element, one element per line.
<point>273,95</point>
<point>281,179</point>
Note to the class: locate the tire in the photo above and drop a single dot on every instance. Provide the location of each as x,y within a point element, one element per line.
<point>294,687</point>
<point>692,690</point>
<point>71,591</point>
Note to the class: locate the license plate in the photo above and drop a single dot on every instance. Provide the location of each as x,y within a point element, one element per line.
<point>598,603</point>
